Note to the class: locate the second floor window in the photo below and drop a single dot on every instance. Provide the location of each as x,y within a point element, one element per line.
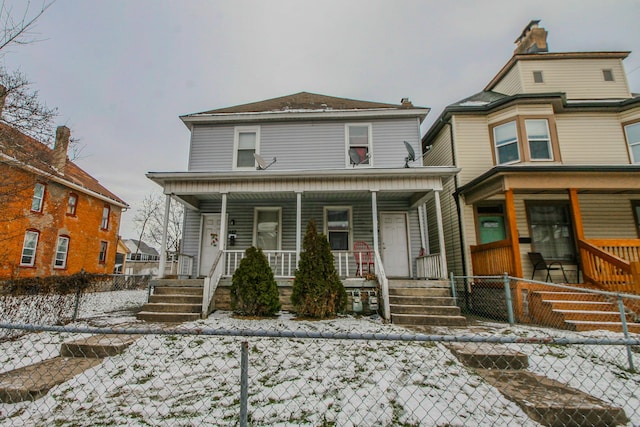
<point>632,132</point>
<point>62,248</point>
<point>72,203</point>
<point>38,197</point>
<point>105,217</point>
<point>506,143</point>
<point>538,139</point>
<point>246,144</point>
<point>29,246</point>
<point>358,144</point>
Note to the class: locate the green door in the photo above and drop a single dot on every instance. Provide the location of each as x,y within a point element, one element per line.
<point>491,228</point>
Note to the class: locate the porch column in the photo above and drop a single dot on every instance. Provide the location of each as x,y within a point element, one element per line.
<point>424,230</point>
<point>223,223</point>
<point>575,212</point>
<point>443,249</point>
<point>374,213</point>
<point>513,232</point>
<point>163,244</point>
<point>298,225</point>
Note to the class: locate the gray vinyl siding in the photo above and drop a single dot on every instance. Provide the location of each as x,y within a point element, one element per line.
<point>450,227</point>
<point>304,145</point>
<point>440,153</point>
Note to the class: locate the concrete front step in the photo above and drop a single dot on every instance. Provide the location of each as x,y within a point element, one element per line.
<point>410,283</point>
<point>177,282</point>
<point>176,299</point>
<point>420,292</point>
<point>427,320</point>
<point>590,315</point>
<point>150,316</point>
<point>488,356</point>
<point>97,346</point>
<point>582,305</point>
<point>570,296</point>
<point>172,308</point>
<point>178,290</point>
<point>431,310</point>
<point>408,300</point>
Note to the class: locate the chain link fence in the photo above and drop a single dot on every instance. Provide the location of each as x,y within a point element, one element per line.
<point>348,371</point>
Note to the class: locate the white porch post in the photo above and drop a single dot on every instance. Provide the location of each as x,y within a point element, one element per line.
<point>163,244</point>
<point>443,251</point>
<point>223,223</point>
<point>374,213</point>
<point>298,226</point>
<point>421,222</point>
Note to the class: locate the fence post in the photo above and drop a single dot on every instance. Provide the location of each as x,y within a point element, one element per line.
<point>507,291</point>
<point>453,288</point>
<point>625,330</point>
<point>244,383</point>
<point>76,305</point>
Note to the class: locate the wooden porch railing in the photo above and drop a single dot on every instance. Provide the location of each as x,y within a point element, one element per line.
<point>493,258</point>
<point>282,263</point>
<point>430,266</point>
<point>612,264</point>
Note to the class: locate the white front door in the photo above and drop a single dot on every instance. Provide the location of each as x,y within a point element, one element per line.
<point>395,244</point>
<point>209,242</point>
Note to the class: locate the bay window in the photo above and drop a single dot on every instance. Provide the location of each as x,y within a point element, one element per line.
<point>538,139</point>
<point>632,133</point>
<point>505,137</point>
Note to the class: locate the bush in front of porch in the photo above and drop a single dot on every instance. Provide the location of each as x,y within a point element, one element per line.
<point>254,291</point>
<point>317,289</point>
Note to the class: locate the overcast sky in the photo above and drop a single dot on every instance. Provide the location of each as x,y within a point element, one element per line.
<point>122,71</point>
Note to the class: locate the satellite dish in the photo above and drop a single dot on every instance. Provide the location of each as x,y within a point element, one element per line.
<point>262,165</point>
<point>355,157</point>
<point>411,155</point>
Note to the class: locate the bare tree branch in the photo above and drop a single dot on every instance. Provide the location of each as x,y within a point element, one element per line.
<point>149,220</point>
<point>17,28</point>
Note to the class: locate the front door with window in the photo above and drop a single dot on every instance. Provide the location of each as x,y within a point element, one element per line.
<point>395,244</point>
<point>210,242</point>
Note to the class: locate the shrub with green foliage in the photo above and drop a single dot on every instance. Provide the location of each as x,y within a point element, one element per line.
<point>254,291</point>
<point>317,289</point>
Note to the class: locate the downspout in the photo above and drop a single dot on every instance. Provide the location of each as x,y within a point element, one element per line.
<point>458,208</point>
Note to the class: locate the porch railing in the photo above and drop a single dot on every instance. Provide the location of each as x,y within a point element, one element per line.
<point>493,258</point>
<point>430,266</point>
<point>612,264</point>
<point>282,263</point>
<point>210,284</point>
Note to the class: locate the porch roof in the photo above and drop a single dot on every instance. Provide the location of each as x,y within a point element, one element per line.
<point>552,178</point>
<point>409,183</point>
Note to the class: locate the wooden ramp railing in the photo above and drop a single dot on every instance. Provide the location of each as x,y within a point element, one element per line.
<point>493,258</point>
<point>612,264</point>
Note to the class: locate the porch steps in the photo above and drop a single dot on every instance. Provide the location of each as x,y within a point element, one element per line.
<point>577,311</point>
<point>173,300</point>
<point>424,303</point>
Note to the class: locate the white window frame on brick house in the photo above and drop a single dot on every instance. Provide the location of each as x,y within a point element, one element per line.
<point>37,203</point>
<point>62,250</point>
<point>106,213</point>
<point>29,248</point>
<point>72,204</point>
<point>239,144</point>
<point>102,256</point>
<point>355,142</point>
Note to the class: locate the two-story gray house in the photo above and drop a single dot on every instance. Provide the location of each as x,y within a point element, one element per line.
<point>259,172</point>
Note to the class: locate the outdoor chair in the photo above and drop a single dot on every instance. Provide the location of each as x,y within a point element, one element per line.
<point>364,257</point>
<point>539,263</point>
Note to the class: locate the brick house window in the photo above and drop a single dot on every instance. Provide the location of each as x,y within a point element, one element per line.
<point>29,246</point>
<point>102,258</point>
<point>62,249</point>
<point>105,217</point>
<point>72,204</point>
<point>38,197</point>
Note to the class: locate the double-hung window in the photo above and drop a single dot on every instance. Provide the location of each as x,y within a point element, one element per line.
<point>267,228</point>
<point>72,204</point>
<point>539,139</point>
<point>102,257</point>
<point>104,224</point>
<point>38,197</point>
<point>505,137</point>
<point>29,246</point>
<point>632,132</point>
<point>338,227</point>
<point>358,141</point>
<point>246,144</point>
<point>62,248</point>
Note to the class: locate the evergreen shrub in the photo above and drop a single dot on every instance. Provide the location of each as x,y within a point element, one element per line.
<point>254,291</point>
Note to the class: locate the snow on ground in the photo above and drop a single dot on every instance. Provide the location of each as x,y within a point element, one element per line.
<point>170,380</point>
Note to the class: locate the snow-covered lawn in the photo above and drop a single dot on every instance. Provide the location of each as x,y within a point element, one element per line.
<point>195,379</point>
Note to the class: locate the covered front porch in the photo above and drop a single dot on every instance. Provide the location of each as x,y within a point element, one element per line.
<point>583,218</point>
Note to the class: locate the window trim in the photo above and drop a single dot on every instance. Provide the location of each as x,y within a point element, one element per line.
<point>44,192</point>
<point>525,154</point>
<point>75,205</point>
<point>347,144</point>
<point>608,72</point>
<point>541,77</point>
<point>35,248</point>
<point>255,224</point>
<point>325,212</point>
<point>529,139</point>
<point>632,160</point>
<point>236,142</point>
<point>66,253</point>
<point>571,226</point>
<point>106,220</point>
<point>102,256</point>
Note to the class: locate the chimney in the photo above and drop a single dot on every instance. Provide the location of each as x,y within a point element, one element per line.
<point>60,149</point>
<point>406,103</point>
<point>532,40</point>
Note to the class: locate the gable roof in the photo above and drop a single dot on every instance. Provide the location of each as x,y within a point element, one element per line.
<point>32,155</point>
<point>140,247</point>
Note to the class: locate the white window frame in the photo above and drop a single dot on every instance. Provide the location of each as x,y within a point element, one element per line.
<point>60,260</point>
<point>548,139</point>
<point>39,198</point>
<point>631,144</point>
<point>32,262</point>
<point>70,206</point>
<point>255,224</point>
<point>102,256</point>
<point>104,223</point>
<point>236,143</point>
<point>326,224</point>
<point>516,142</point>
<point>347,144</point>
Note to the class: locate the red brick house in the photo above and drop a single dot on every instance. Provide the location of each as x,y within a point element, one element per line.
<point>55,218</point>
